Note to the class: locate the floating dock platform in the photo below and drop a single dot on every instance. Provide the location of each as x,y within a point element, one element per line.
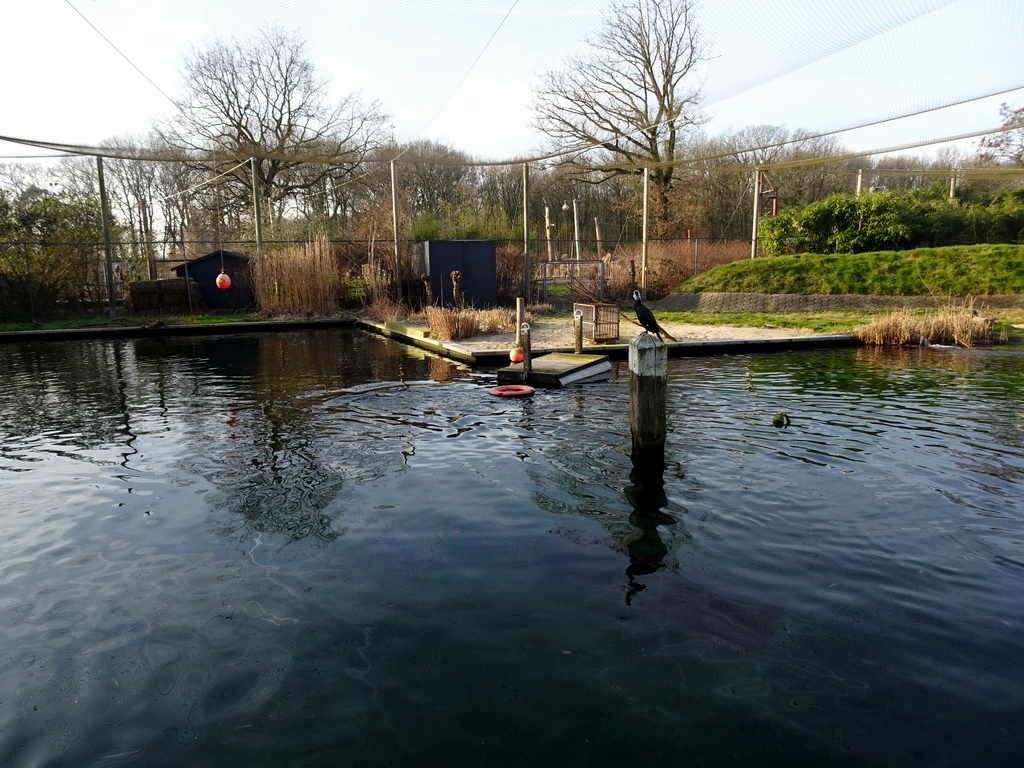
<point>557,369</point>
<point>418,335</point>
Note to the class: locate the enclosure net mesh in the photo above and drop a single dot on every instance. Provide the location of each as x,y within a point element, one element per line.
<point>832,44</point>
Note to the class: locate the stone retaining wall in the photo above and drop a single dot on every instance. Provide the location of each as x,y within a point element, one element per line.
<point>794,302</point>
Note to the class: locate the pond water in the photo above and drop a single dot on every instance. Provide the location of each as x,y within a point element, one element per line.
<point>232,551</point>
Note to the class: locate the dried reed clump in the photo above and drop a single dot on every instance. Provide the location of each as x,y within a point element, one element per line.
<point>957,325</point>
<point>382,308</point>
<point>452,324</point>
<point>299,279</point>
<point>498,320</point>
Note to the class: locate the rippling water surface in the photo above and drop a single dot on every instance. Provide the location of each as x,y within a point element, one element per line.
<point>324,549</point>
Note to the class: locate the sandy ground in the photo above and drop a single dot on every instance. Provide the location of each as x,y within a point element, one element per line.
<point>559,333</point>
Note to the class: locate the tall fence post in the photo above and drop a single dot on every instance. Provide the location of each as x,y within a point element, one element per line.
<point>107,250</point>
<point>755,226</point>
<point>257,208</point>
<point>394,225</point>
<point>643,243</point>
<point>527,292</point>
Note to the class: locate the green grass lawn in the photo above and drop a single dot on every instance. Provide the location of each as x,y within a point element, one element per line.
<point>969,270</point>
<point>126,322</point>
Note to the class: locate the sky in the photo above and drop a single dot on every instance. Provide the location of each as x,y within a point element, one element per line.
<point>463,72</point>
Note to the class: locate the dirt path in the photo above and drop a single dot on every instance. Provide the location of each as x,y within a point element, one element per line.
<point>559,333</point>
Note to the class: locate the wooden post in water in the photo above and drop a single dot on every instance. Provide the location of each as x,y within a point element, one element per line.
<point>648,380</point>
<point>527,352</point>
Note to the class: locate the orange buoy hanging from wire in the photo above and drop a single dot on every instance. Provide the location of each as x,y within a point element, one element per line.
<point>223,280</point>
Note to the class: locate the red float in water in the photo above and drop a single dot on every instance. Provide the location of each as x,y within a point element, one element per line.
<point>223,281</point>
<point>512,390</point>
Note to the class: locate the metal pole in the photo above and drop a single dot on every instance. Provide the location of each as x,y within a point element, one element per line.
<point>107,250</point>
<point>643,243</point>
<point>184,262</point>
<point>394,224</point>
<point>527,352</point>
<point>257,208</point>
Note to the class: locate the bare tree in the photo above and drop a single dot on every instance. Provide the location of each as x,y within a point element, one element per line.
<point>436,177</point>
<point>629,104</point>
<point>262,98</point>
<point>1007,146</point>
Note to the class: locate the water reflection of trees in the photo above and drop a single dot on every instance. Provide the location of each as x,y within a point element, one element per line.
<point>280,469</point>
<point>273,472</point>
<point>273,463</point>
<point>67,397</point>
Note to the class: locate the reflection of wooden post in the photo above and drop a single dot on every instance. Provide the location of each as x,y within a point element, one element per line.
<point>648,379</point>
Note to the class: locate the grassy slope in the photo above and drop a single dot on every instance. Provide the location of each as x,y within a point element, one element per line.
<point>969,270</point>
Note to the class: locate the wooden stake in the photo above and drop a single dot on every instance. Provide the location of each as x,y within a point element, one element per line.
<point>648,382</point>
<point>520,319</point>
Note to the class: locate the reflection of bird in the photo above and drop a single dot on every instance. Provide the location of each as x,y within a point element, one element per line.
<point>646,318</point>
<point>780,420</point>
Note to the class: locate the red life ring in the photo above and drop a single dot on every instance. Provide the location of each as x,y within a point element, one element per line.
<point>512,390</point>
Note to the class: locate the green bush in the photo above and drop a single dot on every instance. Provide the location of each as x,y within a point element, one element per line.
<point>893,221</point>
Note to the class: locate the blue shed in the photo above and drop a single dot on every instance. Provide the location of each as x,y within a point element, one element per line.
<point>204,270</point>
<point>475,259</point>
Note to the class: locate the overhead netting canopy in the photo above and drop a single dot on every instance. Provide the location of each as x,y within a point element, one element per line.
<point>877,75</point>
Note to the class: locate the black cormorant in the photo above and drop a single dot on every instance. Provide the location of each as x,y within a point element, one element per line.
<point>645,317</point>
